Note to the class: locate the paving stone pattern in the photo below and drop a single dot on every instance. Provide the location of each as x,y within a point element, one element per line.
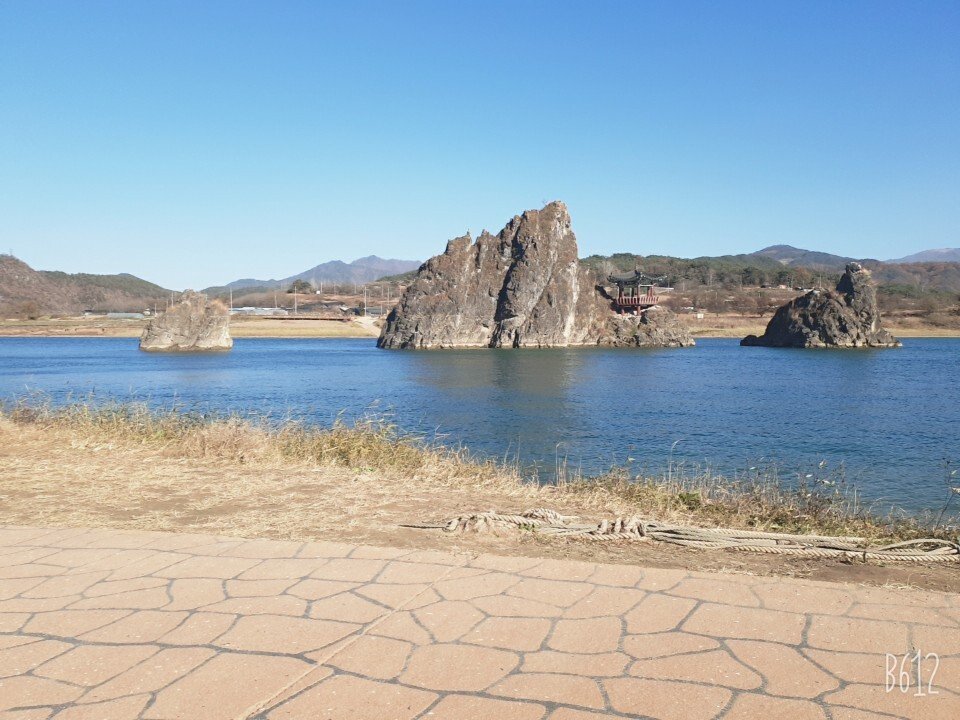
<point>105,624</point>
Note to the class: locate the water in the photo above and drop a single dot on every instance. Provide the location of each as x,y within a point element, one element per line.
<point>889,417</point>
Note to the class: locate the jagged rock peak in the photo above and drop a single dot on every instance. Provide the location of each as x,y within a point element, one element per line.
<point>848,317</point>
<point>194,324</point>
<point>523,287</point>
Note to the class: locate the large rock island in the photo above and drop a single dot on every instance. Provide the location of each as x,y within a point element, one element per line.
<point>523,287</point>
<point>194,324</point>
<point>847,317</point>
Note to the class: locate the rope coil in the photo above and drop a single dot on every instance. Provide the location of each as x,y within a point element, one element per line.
<point>549,522</point>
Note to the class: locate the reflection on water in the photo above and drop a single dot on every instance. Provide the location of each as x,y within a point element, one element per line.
<point>520,397</point>
<point>889,416</point>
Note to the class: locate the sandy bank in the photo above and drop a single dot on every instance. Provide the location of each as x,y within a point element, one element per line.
<point>228,481</point>
<point>240,327</point>
<point>709,327</point>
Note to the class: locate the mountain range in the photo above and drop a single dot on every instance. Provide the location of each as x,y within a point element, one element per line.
<point>939,255</point>
<point>796,257</point>
<point>930,270</point>
<point>786,265</point>
<point>25,291</point>
<point>363,270</point>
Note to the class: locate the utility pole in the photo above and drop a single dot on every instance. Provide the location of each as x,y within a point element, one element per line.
<point>364,300</point>
<point>231,299</point>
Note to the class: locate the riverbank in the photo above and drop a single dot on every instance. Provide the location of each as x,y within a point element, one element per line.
<point>240,327</point>
<point>124,468</point>
<point>738,326</point>
<point>711,326</point>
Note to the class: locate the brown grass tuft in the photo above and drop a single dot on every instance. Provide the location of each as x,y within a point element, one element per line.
<point>368,446</point>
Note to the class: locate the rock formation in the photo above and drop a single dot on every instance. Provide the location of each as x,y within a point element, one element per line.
<point>195,324</point>
<point>523,287</point>
<point>847,317</point>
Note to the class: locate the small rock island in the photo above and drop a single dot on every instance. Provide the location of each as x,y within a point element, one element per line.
<point>194,324</point>
<point>847,317</point>
<point>523,287</point>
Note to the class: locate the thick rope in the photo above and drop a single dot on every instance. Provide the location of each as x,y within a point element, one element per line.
<point>549,522</point>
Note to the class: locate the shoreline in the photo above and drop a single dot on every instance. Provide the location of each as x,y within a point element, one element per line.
<point>268,328</point>
<point>370,484</point>
<point>909,334</point>
<point>366,327</point>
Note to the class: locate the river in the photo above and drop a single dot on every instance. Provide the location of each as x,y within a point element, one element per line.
<point>884,420</point>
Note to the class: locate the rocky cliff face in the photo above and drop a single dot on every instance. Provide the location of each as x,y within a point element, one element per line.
<point>523,287</point>
<point>195,324</point>
<point>847,317</point>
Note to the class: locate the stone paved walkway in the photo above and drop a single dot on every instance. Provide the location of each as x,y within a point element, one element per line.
<point>107,624</point>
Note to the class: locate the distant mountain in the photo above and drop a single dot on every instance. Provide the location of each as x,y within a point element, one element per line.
<point>365,269</point>
<point>362,270</point>
<point>930,270</point>
<point>25,291</point>
<point>798,257</point>
<point>931,256</point>
<point>784,265</point>
<point>918,276</point>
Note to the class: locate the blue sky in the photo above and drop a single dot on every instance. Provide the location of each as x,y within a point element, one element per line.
<point>195,143</point>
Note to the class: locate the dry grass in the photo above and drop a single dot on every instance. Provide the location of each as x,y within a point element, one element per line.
<point>122,467</point>
<point>241,327</point>
<point>125,466</point>
<point>368,446</point>
<point>725,326</point>
<point>383,462</point>
<point>761,503</point>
